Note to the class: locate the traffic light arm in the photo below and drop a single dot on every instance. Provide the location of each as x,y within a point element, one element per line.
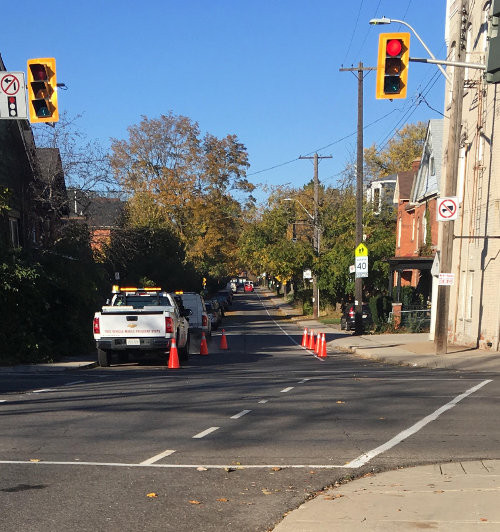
<point>448,63</point>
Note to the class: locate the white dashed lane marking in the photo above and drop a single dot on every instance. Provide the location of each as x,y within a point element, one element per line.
<point>205,432</point>
<point>240,414</point>
<point>154,459</point>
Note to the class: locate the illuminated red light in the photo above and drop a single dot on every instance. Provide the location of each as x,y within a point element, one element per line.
<point>393,47</point>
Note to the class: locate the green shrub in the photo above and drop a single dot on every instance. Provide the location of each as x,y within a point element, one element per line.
<point>380,307</point>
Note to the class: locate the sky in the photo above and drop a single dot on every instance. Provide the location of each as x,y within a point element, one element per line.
<point>264,70</point>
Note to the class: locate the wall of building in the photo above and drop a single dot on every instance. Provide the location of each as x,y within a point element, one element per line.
<point>474,317</point>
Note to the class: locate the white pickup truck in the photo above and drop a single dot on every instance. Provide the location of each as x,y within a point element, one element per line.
<point>138,321</point>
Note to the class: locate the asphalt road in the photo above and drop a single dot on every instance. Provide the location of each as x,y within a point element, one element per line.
<point>232,440</point>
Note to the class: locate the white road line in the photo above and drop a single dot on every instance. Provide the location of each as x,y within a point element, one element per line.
<point>205,432</point>
<point>154,459</point>
<point>177,466</point>
<point>287,389</point>
<point>304,380</point>
<point>263,401</point>
<point>277,324</point>
<point>43,390</point>
<point>366,457</point>
<point>3,400</point>
<point>74,382</point>
<point>240,414</point>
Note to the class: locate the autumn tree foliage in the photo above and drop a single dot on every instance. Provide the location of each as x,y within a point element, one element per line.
<point>398,154</point>
<point>194,184</point>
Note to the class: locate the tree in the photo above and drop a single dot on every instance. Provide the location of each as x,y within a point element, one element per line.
<point>176,178</point>
<point>400,151</point>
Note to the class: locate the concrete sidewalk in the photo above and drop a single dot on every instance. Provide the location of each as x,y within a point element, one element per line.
<point>454,497</point>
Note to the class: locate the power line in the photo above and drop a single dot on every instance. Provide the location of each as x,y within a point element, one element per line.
<point>324,147</point>
<point>353,31</point>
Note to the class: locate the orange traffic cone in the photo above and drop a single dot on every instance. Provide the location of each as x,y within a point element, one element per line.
<point>173,359</point>
<point>317,345</point>
<point>304,338</point>
<point>322,350</point>
<point>203,345</point>
<point>223,340</point>
<point>310,344</point>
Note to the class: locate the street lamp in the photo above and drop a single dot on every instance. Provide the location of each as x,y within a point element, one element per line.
<point>385,20</point>
<point>316,245</point>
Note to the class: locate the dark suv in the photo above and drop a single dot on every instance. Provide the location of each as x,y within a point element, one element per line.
<point>347,321</point>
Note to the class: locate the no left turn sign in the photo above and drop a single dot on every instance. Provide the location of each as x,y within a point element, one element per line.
<point>10,85</point>
<point>447,209</point>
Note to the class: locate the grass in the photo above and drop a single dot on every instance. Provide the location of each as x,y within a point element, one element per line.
<point>330,321</point>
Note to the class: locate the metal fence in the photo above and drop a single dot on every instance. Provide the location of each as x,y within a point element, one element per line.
<point>414,317</point>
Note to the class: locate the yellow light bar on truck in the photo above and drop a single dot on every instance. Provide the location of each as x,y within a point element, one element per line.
<point>179,291</point>
<point>116,289</point>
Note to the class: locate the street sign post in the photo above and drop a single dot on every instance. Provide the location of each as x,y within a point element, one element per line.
<point>361,261</point>
<point>13,96</point>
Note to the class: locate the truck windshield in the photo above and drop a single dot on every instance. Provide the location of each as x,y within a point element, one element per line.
<point>137,301</point>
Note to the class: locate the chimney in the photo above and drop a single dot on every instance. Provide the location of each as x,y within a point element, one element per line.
<point>415,165</point>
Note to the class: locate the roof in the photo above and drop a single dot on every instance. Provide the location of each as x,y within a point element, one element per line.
<point>403,186</point>
<point>105,212</point>
<point>101,211</point>
<point>428,180</point>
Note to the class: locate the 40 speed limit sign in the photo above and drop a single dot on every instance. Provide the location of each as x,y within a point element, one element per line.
<point>361,261</point>
<point>361,264</point>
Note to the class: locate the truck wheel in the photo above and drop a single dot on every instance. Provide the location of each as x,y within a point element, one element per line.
<point>184,351</point>
<point>104,358</point>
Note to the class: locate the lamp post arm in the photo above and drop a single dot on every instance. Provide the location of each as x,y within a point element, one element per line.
<point>424,45</point>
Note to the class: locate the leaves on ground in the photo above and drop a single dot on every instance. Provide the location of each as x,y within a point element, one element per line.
<point>194,502</point>
<point>332,497</point>
<point>222,499</point>
<point>152,494</point>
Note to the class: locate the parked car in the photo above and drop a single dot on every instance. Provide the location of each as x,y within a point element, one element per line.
<point>224,298</point>
<point>198,319</point>
<point>227,292</point>
<point>249,286</point>
<point>223,301</point>
<point>347,321</point>
<point>214,312</point>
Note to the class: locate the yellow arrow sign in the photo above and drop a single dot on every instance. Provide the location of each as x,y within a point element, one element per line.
<point>361,251</point>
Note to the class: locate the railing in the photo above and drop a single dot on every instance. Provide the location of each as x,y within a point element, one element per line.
<point>414,317</point>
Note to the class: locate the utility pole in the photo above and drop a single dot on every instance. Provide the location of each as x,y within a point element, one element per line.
<point>316,230</point>
<point>358,286</point>
<point>449,187</point>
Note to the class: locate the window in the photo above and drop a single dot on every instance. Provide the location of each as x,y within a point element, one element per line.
<point>432,166</point>
<point>418,232</point>
<point>399,231</point>
<point>424,228</point>
<point>14,231</point>
<point>413,228</point>
<point>376,200</point>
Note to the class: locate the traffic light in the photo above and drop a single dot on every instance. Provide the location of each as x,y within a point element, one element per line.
<point>42,90</point>
<point>493,57</point>
<point>392,65</point>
